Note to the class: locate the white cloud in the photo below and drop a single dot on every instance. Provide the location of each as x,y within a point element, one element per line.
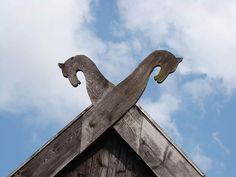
<point>199,88</point>
<point>117,61</point>
<point>201,91</point>
<point>219,142</point>
<point>162,111</point>
<point>35,36</point>
<point>203,161</point>
<point>203,32</point>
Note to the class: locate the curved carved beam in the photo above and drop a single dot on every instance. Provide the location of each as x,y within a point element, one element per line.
<point>97,85</point>
<point>114,102</point>
<point>109,105</point>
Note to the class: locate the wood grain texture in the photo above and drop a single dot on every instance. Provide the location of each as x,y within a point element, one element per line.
<point>56,153</point>
<point>111,107</point>
<point>98,86</point>
<point>151,146</point>
<point>110,156</point>
<point>52,157</point>
<point>130,126</point>
<point>111,103</point>
<point>100,118</point>
<point>156,149</point>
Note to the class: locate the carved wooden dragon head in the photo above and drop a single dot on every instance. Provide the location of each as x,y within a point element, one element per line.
<point>168,65</point>
<point>69,72</point>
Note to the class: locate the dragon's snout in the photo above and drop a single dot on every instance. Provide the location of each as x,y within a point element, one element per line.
<point>166,69</point>
<point>74,81</point>
<point>161,76</point>
<point>70,75</point>
<point>179,59</point>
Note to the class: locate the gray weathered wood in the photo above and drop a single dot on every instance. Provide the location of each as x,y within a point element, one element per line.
<point>55,154</point>
<point>122,97</point>
<point>156,149</point>
<point>98,86</point>
<point>110,157</point>
<point>130,126</point>
<point>160,156</point>
<point>130,130</point>
<point>100,118</point>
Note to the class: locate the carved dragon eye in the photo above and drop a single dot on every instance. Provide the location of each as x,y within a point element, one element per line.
<point>60,65</point>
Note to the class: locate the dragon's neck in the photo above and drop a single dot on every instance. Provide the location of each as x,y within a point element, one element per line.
<point>139,78</point>
<point>97,85</point>
<point>149,63</point>
<point>145,68</point>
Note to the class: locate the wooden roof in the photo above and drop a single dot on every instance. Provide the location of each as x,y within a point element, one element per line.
<point>109,156</point>
<point>113,108</point>
<point>139,131</point>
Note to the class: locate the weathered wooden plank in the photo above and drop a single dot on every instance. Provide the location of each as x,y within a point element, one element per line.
<point>99,165</point>
<point>156,149</point>
<point>158,152</point>
<point>94,122</point>
<point>53,155</point>
<point>105,113</point>
<point>121,98</point>
<point>95,167</point>
<point>104,162</point>
<point>117,102</point>
<point>99,154</point>
<point>121,168</point>
<point>114,149</point>
<point>129,127</point>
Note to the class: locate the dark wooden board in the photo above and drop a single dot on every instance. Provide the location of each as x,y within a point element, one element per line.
<point>110,156</point>
<point>113,107</point>
<point>55,154</point>
<point>139,131</point>
<point>156,149</point>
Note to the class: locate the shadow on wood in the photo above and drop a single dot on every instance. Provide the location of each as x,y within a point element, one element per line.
<point>110,156</point>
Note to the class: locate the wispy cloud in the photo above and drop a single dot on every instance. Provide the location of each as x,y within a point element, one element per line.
<point>203,32</point>
<point>218,141</point>
<point>35,36</point>
<point>203,91</point>
<point>162,110</point>
<point>203,161</point>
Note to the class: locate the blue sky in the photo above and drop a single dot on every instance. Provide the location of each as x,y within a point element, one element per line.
<point>195,106</point>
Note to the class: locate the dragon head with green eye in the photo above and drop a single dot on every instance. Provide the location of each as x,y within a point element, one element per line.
<point>168,65</point>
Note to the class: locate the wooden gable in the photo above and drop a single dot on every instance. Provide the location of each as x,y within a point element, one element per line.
<point>154,152</point>
<point>112,137</point>
<point>110,156</point>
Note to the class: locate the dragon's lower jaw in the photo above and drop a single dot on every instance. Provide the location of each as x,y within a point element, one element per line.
<point>162,75</point>
<point>74,81</point>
